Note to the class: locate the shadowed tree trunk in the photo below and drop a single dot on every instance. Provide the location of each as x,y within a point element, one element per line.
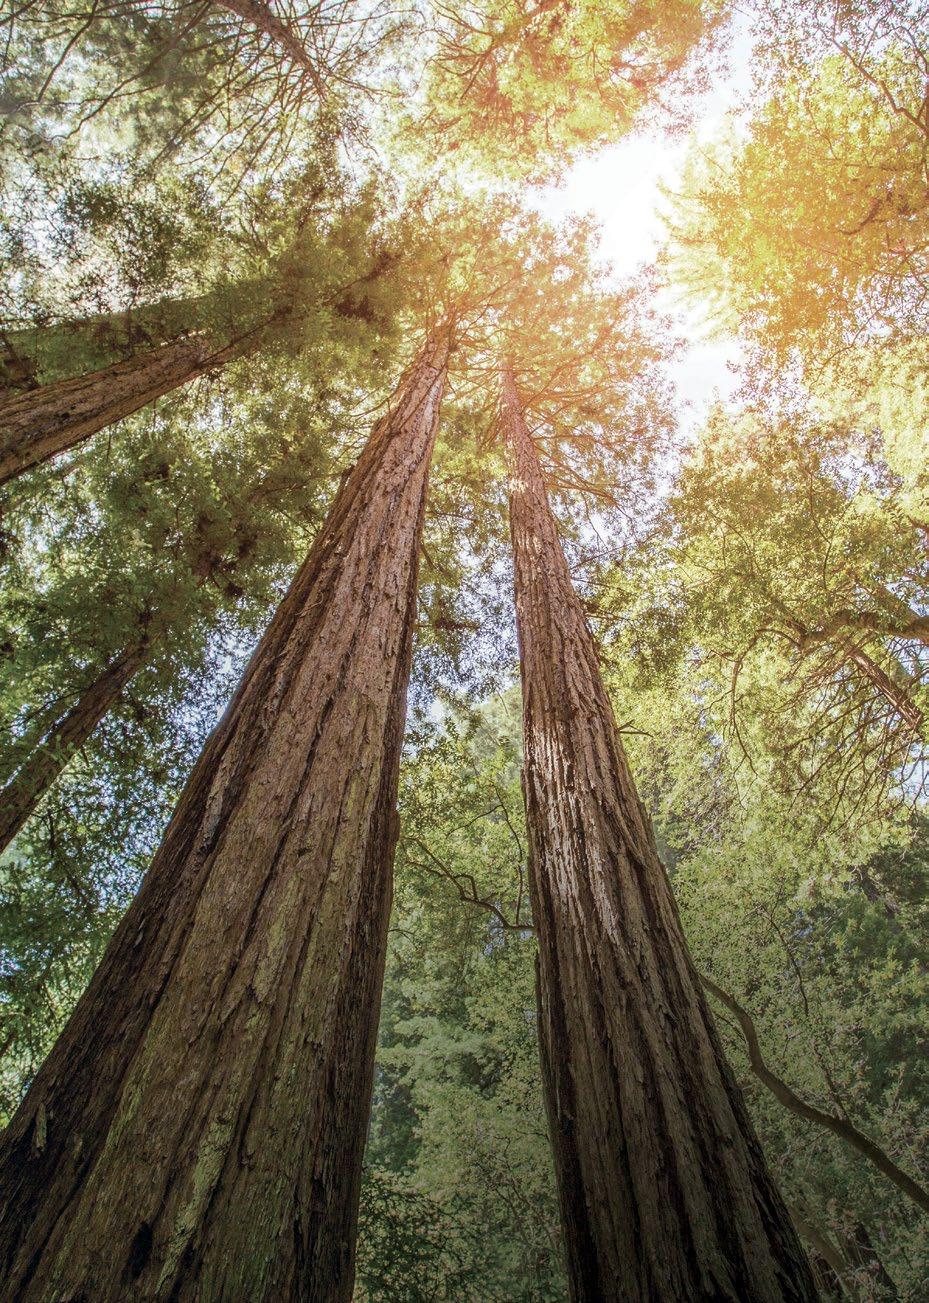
<point>826,1259</point>
<point>41,422</point>
<point>42,767</point>
<point>861,1251</point>
<point>664,1191</point>
<point>197,1131</point>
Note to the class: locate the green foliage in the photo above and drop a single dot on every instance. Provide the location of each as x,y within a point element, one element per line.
<point>785,588</point>
<point>411,1248</point>
<point>551,78</point>
<point>175,171</point>
<point>458,1112</point>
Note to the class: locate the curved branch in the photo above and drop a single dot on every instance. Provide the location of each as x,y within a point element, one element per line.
<point>838,1126</point>
<point>470,897</point>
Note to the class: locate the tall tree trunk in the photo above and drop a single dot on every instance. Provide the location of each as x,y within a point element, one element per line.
<point>664,1190</point>
<point>35,774</point>
<point>197,1131</point>
<point>42,422</point>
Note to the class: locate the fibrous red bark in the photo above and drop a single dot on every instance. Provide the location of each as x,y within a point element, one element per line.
<point>41,422</point>
<point>664,1191</point>
<point>197,1131</point>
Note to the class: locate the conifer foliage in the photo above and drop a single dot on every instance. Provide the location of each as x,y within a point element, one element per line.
<point>327,972</point>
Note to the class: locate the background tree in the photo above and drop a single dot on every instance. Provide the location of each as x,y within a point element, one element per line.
<point>788,566</point>
<point>552,79</point>
<point>823,275</point>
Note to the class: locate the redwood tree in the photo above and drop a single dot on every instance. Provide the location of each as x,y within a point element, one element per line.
<point>42,422</point>
<point>197,1130</point>
<point>664,1190</point>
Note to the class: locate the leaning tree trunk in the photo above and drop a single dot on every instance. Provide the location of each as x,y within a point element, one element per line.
<point>263,18</point>
<point>42,422</point>
<point>101,338</point>
<point>197,1131</point>
<point>663,1187</point>
<point>42,767</point>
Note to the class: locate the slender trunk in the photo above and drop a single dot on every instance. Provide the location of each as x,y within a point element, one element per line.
<point>263,18</point>
<point>197,1131</point>
<point>30,767</point>
<point>862,1253</point>
<point>42,422</point>
<point>664,1191</point>
<point>829,1266</point>
<point>34,775</point>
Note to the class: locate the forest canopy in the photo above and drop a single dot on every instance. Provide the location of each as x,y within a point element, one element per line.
<point>463,749</point>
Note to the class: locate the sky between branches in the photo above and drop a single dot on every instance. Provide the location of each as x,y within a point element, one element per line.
<point>622,186</point>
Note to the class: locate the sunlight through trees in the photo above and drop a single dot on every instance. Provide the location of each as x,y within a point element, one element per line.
<point>464,752</point>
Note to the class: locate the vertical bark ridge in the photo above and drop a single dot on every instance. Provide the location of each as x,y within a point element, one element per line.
<point>39,770</point>
<point>663,1188</point>
<point>42,422</point>
<point>197,1131</point>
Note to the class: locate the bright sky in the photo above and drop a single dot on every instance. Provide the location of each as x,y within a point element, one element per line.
<point>621,186</point>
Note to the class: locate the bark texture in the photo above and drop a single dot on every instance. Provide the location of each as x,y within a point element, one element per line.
<point>664,1190</point>
<point>47,420</point>
<point>197,1131</point>
<point>35,774</point>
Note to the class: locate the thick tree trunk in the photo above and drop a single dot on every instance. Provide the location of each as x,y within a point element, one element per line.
<point>42,422</point>
<point>197,1131</point>
<point>664,1190</point>
<point>35,774</point>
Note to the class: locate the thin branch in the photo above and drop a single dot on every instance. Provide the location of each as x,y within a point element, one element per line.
<point>786,1096</point>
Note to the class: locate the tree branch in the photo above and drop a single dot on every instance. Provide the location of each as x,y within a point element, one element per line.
<point>265,20</point>
<point>838,1126</point>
